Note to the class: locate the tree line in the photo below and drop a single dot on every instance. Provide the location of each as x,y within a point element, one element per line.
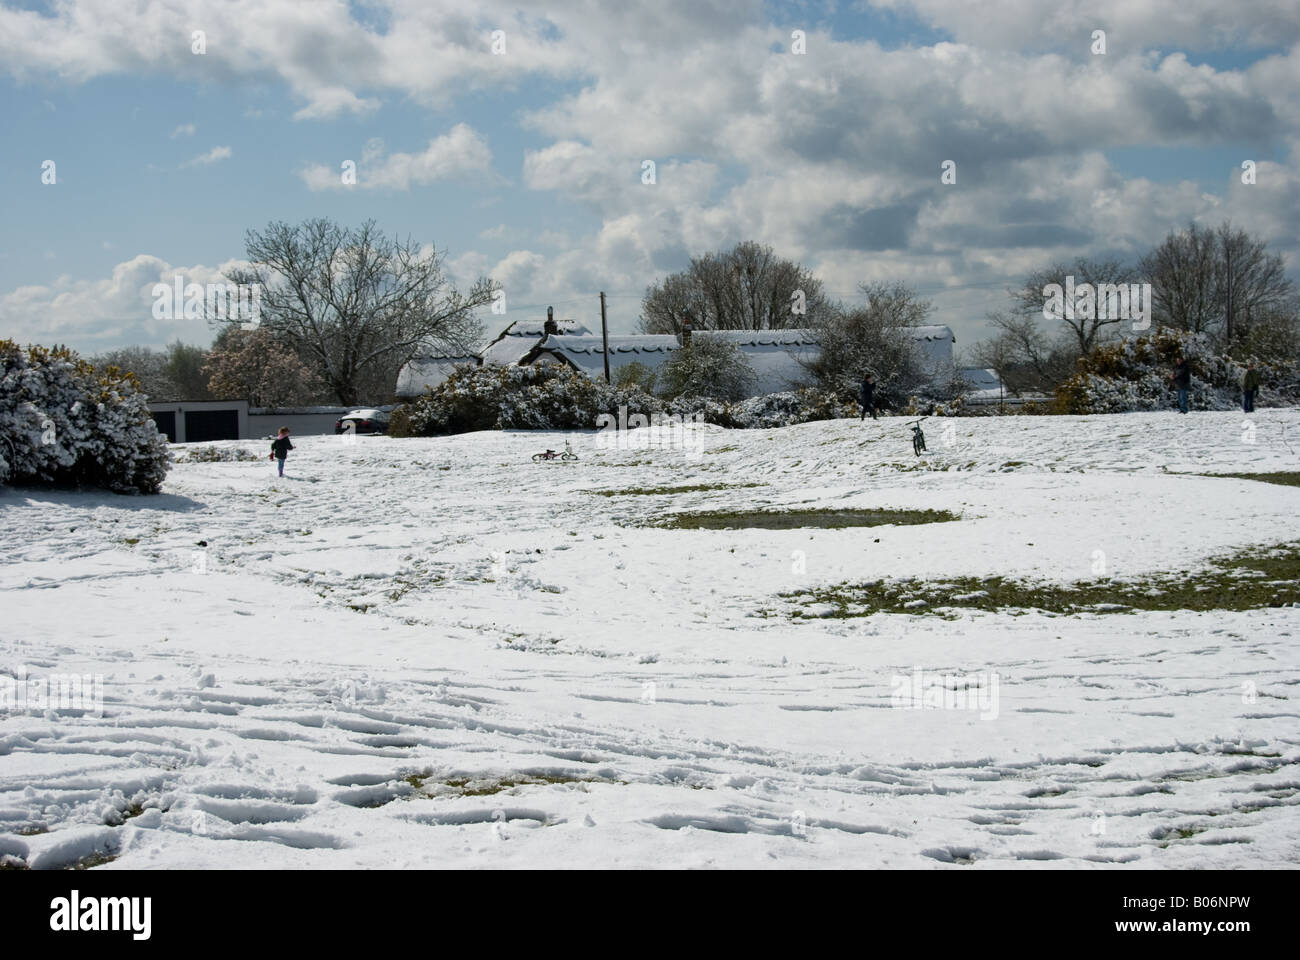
<point>1219,282</point>
<point>343,309</point>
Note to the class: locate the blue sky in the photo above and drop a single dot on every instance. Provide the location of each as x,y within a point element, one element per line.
<point>527,166</point>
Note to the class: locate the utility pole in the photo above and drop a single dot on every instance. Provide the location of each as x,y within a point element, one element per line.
<point>604,335</point>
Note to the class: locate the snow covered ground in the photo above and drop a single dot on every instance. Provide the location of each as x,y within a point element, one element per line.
<point>428,653</point>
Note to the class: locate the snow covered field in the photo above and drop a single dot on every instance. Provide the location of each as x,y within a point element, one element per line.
<point>429,653</point>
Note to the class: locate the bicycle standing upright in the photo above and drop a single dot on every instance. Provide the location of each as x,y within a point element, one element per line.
<point>918,437</point>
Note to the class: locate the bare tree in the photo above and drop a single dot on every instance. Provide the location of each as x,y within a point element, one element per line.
<point>351,301</point>
<point>872,338</point>
<point>1217,281</point>
<point>745,288</point>
<point>1250,281</point>
<point>1024,356</point>
<point>1086,331</point>
<point>1181,271</point>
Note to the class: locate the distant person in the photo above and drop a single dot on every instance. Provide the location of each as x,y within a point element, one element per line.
<point>280,448</point>
<point>1182,377</point>
<point>1249,387</point>
<point>867,396</point>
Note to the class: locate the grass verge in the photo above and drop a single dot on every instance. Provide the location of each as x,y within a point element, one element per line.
<point>1244,581</point>
<point>667,491</point>
<point>1286,478</point>
<point>797,519</point>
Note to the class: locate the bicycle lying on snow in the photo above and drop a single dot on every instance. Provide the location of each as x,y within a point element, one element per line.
<point>565,454</point>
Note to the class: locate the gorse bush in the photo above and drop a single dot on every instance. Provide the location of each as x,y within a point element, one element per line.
<point>547,397</point>
<point>636,375</point>
<point>785,409</point>
<point>219,455</point>
<point>1133,374</point>
<point>62,423</point>
<point>706,366</point>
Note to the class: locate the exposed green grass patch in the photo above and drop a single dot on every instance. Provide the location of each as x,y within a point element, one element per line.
<point>667,491</point>
<point>1288,478</point>
<point>1245,581</point>
<point>797,519</point>
<point>1168,834</point>
<point>92,861</point>
<point>426,786</point>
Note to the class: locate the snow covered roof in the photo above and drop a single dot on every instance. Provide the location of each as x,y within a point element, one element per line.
<point>934,331</point>
<point>424,372</point>
<point>980,378</point>
<point>777,356</point>
<point>764,338</point>
<point>637,343</point>
<point>985,385</point>
<point>537,328</point>
<point>514,342</point>
<point>774,355</point>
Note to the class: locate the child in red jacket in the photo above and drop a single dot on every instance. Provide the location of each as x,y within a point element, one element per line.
<point>280,448</point>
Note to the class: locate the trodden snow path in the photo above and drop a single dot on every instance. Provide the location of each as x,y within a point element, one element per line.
<point>438,653</point>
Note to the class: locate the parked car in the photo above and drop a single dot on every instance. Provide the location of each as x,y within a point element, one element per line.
<point>362,421</point>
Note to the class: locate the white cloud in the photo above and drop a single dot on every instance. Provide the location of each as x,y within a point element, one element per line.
<point>184,130</point>
<point>1130,25</point>
<point>98,314</point>
<point>458,153</point>
<point>330,102</point>
<point>212,156</point>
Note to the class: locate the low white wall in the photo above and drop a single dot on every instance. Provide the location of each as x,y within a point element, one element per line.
<point>300,424</point>
<point>303,421</point>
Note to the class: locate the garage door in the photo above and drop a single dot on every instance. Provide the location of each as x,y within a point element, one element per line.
<point>211,425</point>
<point>166,421</point>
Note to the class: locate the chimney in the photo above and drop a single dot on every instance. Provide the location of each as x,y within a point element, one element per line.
<point>550,327</point>
<point>686,332</point>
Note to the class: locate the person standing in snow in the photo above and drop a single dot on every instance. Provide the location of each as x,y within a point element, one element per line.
<point>1182,378</point>
<point>1249,387</point>
<point>867,396</point>
<point>280,448</point>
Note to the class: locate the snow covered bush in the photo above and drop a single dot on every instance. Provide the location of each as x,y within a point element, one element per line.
<point>64,423</point>
<point>548,397</point>
<point>785,409</point>
<point>534,397</point>
<point>466,401</point>
<point>219,455</point>
<point>706,366</point>
<point>1133,374</point>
